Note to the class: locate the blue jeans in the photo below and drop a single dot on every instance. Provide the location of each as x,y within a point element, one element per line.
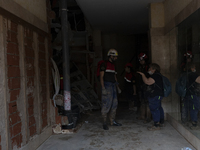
<point>194,107</point>
<point>109,101</point>
<point>185,104</point>
<point>156,109</point>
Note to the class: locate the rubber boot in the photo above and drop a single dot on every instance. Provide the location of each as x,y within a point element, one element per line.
<point>142,112</point>
<point>105,127</point>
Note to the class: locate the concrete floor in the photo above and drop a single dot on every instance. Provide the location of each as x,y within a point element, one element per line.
<point>132,135</point>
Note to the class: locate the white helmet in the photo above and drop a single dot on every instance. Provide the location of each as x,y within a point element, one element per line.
<point>112,52</point>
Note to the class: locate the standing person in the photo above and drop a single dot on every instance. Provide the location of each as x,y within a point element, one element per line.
<point>144,112</point>
<point>108,82</point>
<point>185,117</point>
<point>193,94</point>
<point>187,58</point>
<point>155,95</point>
<point>129,86</point>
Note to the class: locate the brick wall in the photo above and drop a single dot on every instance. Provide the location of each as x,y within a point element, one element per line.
<point>13,77</point>
<point>42,79</point>
<point>30,79</point>
<point>27,81</point>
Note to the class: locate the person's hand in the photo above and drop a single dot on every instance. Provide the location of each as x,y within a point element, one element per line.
<point>119,90</point>
<point>140,72</point>
<point>104,92</point>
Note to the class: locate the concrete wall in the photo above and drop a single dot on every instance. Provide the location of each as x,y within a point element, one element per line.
<point>25,83</point>
<point>24,13</point>
<point>164,18</point>
<point>173,7</point>
<point>35,7</point>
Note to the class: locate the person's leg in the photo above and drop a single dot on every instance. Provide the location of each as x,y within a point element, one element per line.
<point>154,105</point>
<point>194,109</point>
<point>113,108</point>
<point>162,117</point>
<point>184,109</point>
<point>106,104</point>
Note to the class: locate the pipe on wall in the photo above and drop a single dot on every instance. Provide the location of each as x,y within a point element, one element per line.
<point>66,58</point>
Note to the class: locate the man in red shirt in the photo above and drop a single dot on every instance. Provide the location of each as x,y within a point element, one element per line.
<point>108,82</point>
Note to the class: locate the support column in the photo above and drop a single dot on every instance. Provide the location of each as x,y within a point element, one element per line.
<point>65,49</point>
<point>160,46</point>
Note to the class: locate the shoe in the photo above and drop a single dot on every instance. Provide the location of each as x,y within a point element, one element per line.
<point>153,128</point>
<point>194,127</point>
<point>105,127</point>
<point>162,125</point>
<point>116,124</point>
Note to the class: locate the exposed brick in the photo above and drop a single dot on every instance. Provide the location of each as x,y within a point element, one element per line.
<point>42,55</point>
<point>43,97</point>
<point>31,120</point>
<point>41,38</point>
<point>28,32</point>
<point>29,52</point>
<point>43,89</point>
<point>30,81</point>
<point>28,42</point>
<point>44,115</point>
<point>30,101</point>
<point>30,60</point>
<point>14,26</point>
<point>15,129</point>
<point>12,48</point>
<point>41,48</point>
<point>12,60</point>
<point>14,118</point>
<point>30,72</point>
<point>31,110</point>
<point>14,94</point>
<point>43,80</point>
<point>17,140</point>
<point>32,130</point>
<point>14,83</point>
<point>44,123</point>
<point>12,107</point>
<point>58,119</point>
<point>42,72</point>
<point>12,37</point>
<point>42,64</point>
<point>13,71</point>
<point>44,112</point>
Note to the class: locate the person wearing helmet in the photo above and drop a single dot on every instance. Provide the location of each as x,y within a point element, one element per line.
<point>144,111</point>
<point>184,101</point>
<point>191,100</point>
<point>129,86</point>
<point>187,58</point>
<point>108,81</point>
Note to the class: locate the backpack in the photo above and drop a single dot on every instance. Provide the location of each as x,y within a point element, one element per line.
<point>181,85</point>
<point>167,88</point>
<point>98,68</point>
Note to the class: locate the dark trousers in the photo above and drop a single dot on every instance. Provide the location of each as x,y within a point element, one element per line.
<point>194,107</point>
<point>185,103</point>
<point>156,109</point>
